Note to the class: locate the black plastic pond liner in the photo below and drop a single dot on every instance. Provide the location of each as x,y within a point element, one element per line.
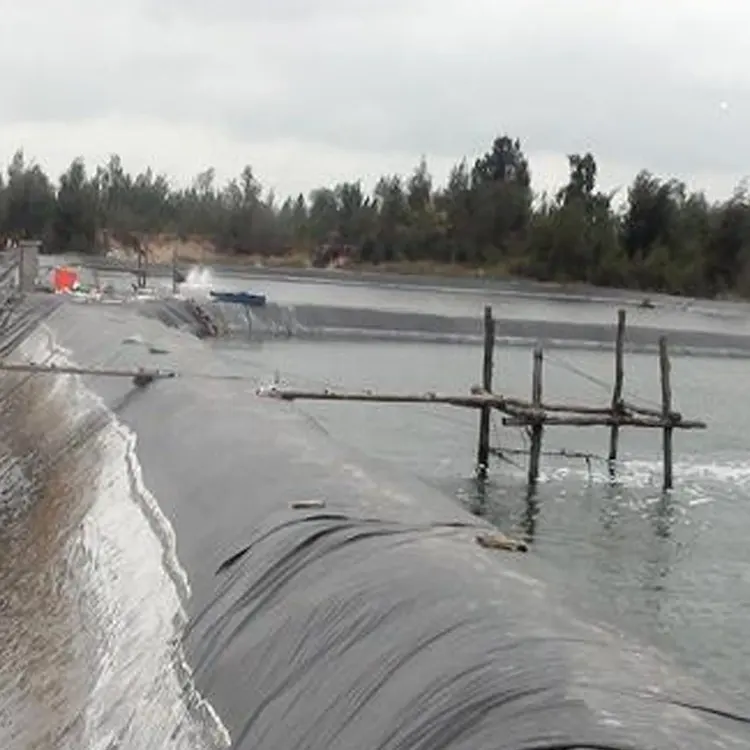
<point>378,622</point>
<point>340,632</point>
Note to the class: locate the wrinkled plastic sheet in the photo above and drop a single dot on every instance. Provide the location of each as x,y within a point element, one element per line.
<point>376,622</point>
<point>344,632</point>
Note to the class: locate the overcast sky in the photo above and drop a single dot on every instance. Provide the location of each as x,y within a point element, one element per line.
<point>317,91</point>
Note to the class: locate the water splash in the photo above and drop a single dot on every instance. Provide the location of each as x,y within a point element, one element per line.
<point>199,282</point>
<point>640,474</point>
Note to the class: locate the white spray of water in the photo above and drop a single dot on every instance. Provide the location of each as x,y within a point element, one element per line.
<point>198,283</point>
<point>161,707</point>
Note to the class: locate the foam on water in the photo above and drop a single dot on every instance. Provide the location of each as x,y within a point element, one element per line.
<point>642,474</point>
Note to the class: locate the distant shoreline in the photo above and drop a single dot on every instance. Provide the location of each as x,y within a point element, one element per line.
<point>401,274</point>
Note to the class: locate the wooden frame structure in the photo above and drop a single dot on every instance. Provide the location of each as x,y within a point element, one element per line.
<point>535,414</point>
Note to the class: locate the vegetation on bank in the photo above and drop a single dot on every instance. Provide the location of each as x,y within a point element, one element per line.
<point>662,238</point>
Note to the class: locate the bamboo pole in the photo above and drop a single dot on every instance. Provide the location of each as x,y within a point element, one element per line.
<point>503,453</point>
<point>140,277</point>
<point>537,429</point>
<point>626,420</point>
<point>23,281</point>
<point>483,447</point>
<point>519,416</point>
<point>477,400</point>
<point>645,411</point>
<point>37,369</point>
<point>563,408</point>
<point>560,453</point>
<point>666,401</point>
<point>617,406</point>
<point>174,272</point>
<point>144,283</point>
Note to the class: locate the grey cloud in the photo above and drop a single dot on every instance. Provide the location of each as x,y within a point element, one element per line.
<point>381,77</point>
<point>284,11</point>
<point>148,85</point>
<point>554,100</point>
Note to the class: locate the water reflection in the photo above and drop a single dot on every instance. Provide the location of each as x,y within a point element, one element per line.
<point>500,505</point>
<point>622,541</point>
<point>612,497</point>
<point>663,515</point>
<point>476,498</point>
<point>530,513</point>
<point>659,557</point>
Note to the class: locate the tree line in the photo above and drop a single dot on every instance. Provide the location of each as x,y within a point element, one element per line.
<point>663,237</point>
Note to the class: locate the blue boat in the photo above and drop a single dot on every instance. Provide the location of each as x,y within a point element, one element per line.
<point>248,299</point>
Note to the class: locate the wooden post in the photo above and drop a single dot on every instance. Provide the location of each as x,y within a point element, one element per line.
<point>174,272</point>
<point>614,432</point>
<point>21,265</point>
<point>139,282</point>
<point>666,408</point>
<point>483,449</point>
<point>537,428</point>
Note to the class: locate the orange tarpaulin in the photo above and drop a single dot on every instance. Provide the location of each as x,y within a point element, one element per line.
<point>64,279</point>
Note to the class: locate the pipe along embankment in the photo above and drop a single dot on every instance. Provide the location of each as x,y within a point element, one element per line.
<point>376,622</point>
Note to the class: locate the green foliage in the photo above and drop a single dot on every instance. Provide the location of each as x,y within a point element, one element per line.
<point>486,216</point>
